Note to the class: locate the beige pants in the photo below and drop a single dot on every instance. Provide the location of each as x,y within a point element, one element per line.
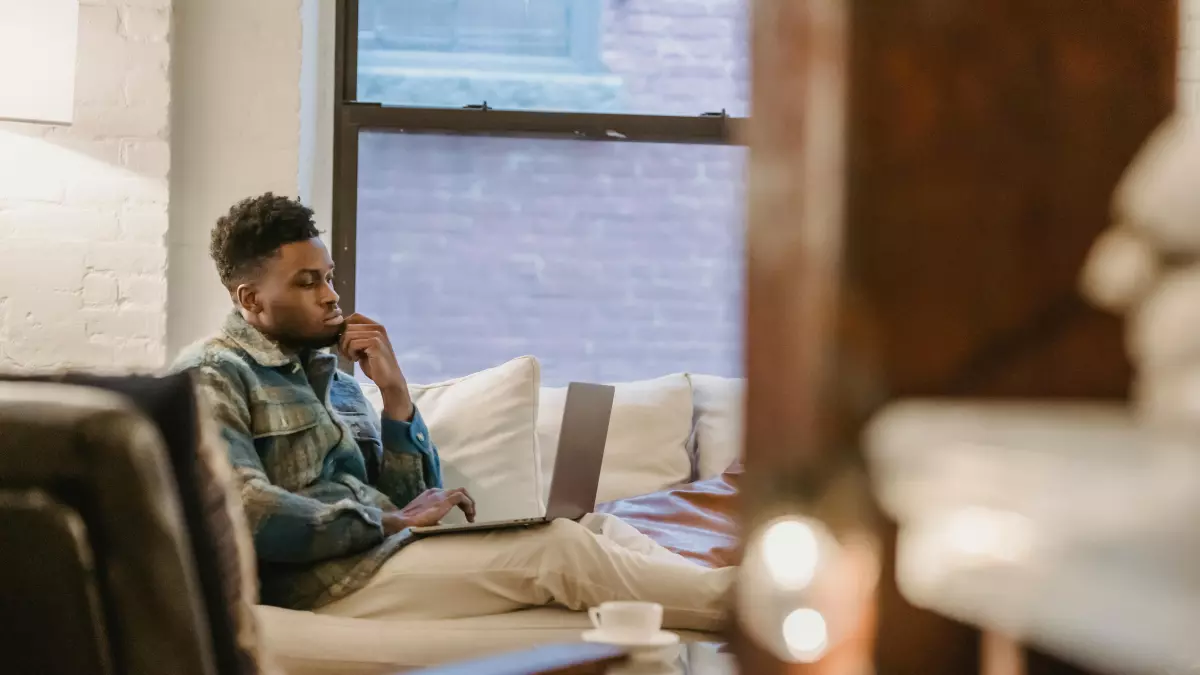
<point>577,565</point>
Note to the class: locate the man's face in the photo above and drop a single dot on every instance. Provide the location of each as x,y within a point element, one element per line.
<point>292,301</point>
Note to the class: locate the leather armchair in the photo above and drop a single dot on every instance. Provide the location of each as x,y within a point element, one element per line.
<point>96,571</point>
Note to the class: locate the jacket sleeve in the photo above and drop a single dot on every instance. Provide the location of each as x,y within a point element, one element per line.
<point>410,463</point>
<point>287,527</point>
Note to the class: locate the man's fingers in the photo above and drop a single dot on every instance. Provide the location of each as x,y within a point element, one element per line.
<point>370,340</point>
<point>357,319</point>
<point>447,503</point>
<point>344,342</point>
<point>357,347</point>
<point>467,503</point>
<point>349,336</point>
<point>463,501</point>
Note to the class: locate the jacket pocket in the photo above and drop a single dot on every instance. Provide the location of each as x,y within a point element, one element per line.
<point>282,418</point>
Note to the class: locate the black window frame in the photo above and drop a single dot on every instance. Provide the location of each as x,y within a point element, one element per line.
<point>352,116</point>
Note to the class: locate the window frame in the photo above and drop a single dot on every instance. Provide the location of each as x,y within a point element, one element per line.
<point>352,116</point>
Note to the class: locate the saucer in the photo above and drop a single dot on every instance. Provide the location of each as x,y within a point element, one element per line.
<point>662,638</point>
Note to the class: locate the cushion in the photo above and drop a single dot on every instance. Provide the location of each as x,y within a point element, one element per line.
<point>484,426</point>
<point>697,520</point>
<point>319,644</point>
<point>648,436</point>
<point>719,403</point>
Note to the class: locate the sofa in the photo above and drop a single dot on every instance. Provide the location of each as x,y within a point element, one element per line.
<point>670,469</point>
<point>128,544</point>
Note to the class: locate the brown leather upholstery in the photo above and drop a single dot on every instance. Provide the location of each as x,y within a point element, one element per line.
<point>220,542</point>
<point>96,571</point>
<point>696,520</point>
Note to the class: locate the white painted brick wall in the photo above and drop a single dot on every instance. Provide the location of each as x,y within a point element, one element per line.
<point>83,208</point>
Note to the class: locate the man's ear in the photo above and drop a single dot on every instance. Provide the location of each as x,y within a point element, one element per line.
<point>246,297</point>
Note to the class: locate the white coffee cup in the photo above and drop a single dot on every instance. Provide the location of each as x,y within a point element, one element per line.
<point>629,620</point>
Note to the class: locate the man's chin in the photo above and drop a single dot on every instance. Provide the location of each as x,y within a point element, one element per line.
<point>328,338</point>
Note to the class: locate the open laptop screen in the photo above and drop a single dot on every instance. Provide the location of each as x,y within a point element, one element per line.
<point>580,450</point>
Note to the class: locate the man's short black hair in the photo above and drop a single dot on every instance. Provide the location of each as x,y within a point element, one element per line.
<point>253,231</point>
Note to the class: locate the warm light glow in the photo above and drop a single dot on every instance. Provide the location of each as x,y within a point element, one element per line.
<point>989,535</point>
<point>790,552</point>
<point>800,590</point>
<point>54,173</point>
<point>806,635</point>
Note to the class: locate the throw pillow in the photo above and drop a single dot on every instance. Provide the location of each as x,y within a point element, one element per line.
<point>648,435</point>
<point>484,426</point>
<point>719,410</point>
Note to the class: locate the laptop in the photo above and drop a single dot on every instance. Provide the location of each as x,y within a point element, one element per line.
<point>576,469</point>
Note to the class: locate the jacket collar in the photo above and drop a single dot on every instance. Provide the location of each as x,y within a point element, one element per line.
<point>265,351</point>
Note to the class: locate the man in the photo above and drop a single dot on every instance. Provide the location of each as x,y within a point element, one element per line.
<point>330,494</point>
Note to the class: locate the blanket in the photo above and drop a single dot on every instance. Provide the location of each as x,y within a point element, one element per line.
<point>696,520</point>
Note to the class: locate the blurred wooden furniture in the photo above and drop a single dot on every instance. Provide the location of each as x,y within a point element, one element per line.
<point>582,659</point>
<point>1069,524</point>
<point>585,659</point>
<point>926,178</point>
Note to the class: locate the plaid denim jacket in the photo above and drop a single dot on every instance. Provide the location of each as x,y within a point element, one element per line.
<point>317,471</point>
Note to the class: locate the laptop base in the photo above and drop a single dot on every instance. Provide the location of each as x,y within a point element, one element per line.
<point>434,530</point>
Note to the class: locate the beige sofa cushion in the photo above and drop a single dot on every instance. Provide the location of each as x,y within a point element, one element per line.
<point>719,404</point>
<point>484,426</point>
<point>305,643</point>
<point>648,436</point>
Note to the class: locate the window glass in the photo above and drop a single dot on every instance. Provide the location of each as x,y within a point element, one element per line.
<point>608,261</point>
<point>668,57</point>
<point>520,27</point>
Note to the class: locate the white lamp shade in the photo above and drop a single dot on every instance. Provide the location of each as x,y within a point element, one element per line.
<point>38,41</point>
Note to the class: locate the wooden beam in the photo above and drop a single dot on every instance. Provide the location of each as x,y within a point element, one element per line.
<point>926,177</point>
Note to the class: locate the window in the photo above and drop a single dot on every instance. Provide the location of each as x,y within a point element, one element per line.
<point>662,57</point>
<point>608,261</point>
<point>608,245</point>
<point>539,28</point>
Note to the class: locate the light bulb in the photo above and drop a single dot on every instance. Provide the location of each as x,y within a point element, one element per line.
<point>790,552</point>
<point>806,634</point>
<point>800,590</point>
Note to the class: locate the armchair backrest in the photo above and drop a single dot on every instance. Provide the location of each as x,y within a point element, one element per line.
<point>97,572</point>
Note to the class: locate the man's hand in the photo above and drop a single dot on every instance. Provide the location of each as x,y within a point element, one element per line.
<point>366,343</point>
<point>428,509</point>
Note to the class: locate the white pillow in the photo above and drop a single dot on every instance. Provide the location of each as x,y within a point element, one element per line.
<point>484,426</point>
<point>719,403</point>
<point>647,448</point>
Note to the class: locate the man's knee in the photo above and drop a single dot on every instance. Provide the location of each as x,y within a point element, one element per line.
<point>568,530</point>
<point>568,538</point>
<point>601,523</point>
